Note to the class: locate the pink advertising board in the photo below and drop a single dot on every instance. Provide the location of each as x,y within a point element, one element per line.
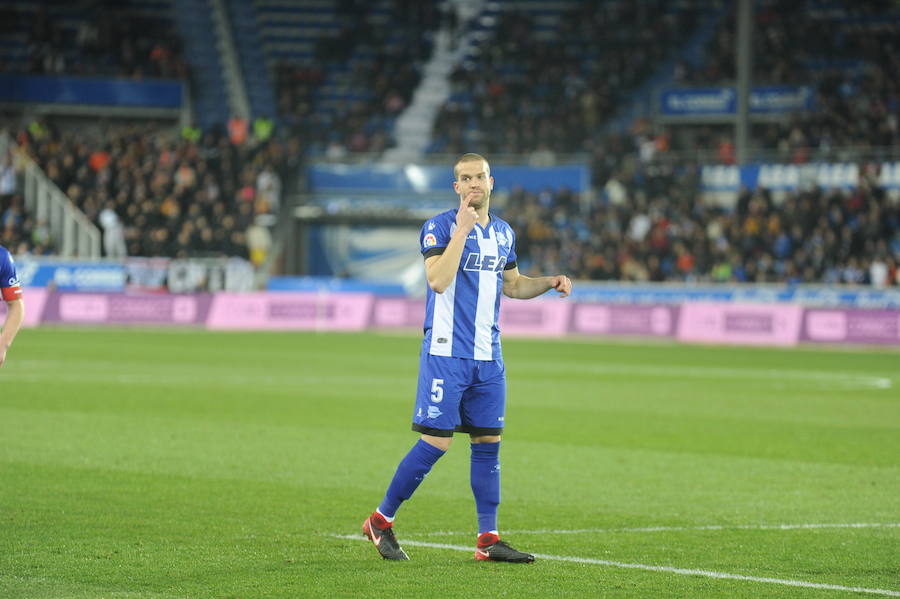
<point>710,322</point>
<point>879,327</point>
<point>127,308</point>
<point>618,319</point>
<point>398,313</point>
<point>35,300</point>
<point>537,317</point>
<point>740,324</point>
<point>291,311</point>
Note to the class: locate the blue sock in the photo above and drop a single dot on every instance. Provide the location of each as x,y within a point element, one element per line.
<point>410,472</point>
<point>485,479</point>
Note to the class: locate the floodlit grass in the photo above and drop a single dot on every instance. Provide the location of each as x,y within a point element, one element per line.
<point>187,464</point>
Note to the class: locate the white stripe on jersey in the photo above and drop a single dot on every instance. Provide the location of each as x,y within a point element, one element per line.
<point>487,297</point>
<point>442,324</point>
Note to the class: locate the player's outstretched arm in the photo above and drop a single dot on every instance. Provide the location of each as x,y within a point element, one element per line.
<point>15,314</point>
<point>518,286</point>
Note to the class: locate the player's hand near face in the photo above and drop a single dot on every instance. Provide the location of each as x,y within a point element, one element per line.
<point>467,216</point>
<point>562,284</point>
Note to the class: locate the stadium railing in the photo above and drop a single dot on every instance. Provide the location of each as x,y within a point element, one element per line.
<point>76,235</point>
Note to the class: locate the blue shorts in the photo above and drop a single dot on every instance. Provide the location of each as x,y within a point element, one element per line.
<point>458,394</point>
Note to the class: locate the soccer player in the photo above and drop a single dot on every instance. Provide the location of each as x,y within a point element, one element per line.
<point>470,258</point>
<point>15,306</point>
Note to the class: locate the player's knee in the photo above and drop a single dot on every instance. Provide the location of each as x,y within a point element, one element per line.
<point>442,443</point>
<point>486,439</point>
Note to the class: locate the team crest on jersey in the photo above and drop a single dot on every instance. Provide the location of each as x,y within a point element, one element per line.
<point>430,240</point>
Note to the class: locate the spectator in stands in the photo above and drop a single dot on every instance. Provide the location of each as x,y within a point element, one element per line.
<point>156,182</point>
<point>110,39</point>
<point>655,232</point>
<point>113,232</point>
<point>850,62</point>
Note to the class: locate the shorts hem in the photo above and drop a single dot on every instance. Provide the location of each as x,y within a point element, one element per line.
<point>478,431</point>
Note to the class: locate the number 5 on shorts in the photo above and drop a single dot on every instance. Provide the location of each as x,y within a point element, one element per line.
<point>437,392</point>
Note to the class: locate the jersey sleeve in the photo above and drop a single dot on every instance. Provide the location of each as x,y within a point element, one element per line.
<point>435,236</point>
<point>9,280</point>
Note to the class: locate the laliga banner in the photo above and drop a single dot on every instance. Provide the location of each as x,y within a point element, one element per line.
<point>788,177</point>
<point>707,102</point>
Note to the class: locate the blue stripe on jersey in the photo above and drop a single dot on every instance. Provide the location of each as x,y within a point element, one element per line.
<point>462,322</point>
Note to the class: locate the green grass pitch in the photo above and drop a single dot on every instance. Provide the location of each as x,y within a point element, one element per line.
<point>168,464</point>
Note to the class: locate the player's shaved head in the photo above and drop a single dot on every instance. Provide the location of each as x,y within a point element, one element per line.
<point>470,157</point>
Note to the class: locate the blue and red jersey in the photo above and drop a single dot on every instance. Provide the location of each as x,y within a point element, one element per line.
<point>9,280</point>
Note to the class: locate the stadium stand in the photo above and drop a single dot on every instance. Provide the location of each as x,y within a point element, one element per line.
<point>255,68</point>
<point>175,197</point>
<point>846,51</point>
<point>655,228</point>
<point>648,222</point>
<point>541,85</point>
<point>19,230</point>
<point>206,74</point>
<point>546,81</point>
<point>344,70</point>
<point>132,39</point>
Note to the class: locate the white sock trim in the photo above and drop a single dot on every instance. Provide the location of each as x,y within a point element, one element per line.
<point>388,520</point>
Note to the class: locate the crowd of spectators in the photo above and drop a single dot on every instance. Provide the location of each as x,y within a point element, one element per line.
<point>551,94</point>
<point>370,72</point>
<point>848,53</point>
<point>107,39</point>
<point>541,90</point>
<point>528,93</point>
<point>656,228</point>
<point>19,231</point>
<point>155,192</point>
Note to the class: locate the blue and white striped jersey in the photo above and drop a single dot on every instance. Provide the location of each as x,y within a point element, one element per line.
<point>462,322</point>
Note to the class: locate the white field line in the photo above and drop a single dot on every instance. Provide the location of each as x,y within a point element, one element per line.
<point>578,531</point>
<point>667,569</point>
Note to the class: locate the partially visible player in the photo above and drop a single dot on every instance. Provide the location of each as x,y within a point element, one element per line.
<point>15,305</point>
<point>470,259</point>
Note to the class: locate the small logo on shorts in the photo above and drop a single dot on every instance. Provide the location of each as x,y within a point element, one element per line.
<point>433,412</point>
<point>500,418</point>
<point>442,340</point>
